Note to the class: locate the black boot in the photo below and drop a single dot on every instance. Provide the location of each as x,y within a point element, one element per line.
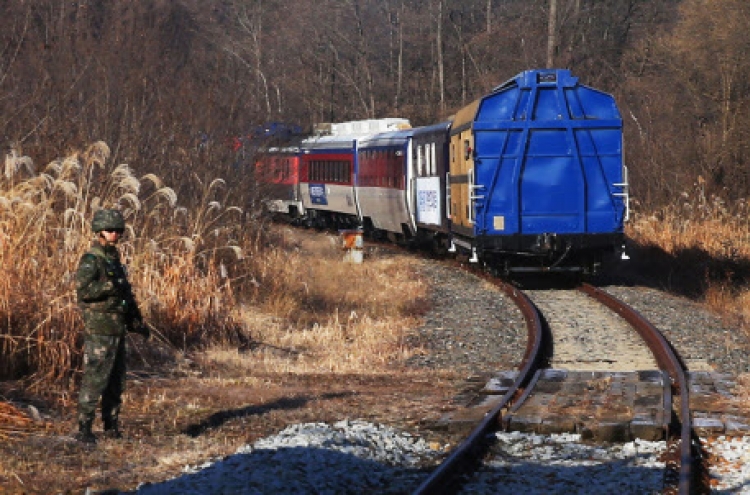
<point>111,428</point>
<point>85,435</point>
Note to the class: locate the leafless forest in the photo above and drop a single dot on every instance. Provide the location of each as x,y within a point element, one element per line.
<point>151,77</point>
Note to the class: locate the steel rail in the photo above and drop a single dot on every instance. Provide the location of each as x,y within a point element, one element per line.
<point>440,480</point>
<point>668,360</point>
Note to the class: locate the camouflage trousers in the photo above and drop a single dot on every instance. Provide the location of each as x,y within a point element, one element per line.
<point>103,376</point>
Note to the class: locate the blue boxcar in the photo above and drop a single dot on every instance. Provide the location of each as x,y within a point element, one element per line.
<point>537,174</point>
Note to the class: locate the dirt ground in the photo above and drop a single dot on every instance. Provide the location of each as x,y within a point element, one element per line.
<point>198,411</point>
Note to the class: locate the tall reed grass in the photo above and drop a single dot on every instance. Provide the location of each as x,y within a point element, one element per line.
<point>709,237</point>
<point>206,275</point>
<point>183,260</point>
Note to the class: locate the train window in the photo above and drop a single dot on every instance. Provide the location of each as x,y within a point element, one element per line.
<point>448,204</point>
<point>393,160</point>
<point>417,159</point>
<point>391,168</point>
<point>394,170</point>
<point>425,163</point>
<point>424,166</point>
<point>433,160</point>
<point>428,160</point>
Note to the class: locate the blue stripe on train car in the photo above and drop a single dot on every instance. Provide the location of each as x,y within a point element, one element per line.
<point>548,158</point>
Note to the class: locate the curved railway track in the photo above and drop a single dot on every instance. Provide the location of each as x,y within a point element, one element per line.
<point>542,323</point>
<point>683,451</point>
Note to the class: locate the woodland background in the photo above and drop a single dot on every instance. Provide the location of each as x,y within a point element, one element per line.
<point>151,77</point>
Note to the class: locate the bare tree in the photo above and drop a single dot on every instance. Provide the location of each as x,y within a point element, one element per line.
<point>552,33</point>
<point>439,52</point>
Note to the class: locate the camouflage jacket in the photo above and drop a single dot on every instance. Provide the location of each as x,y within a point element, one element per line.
<point>104,293</point>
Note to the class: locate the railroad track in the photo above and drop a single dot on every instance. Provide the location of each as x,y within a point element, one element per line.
<point>599,344</point>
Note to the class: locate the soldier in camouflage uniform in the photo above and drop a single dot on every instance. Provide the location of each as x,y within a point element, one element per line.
<point>109,312</point>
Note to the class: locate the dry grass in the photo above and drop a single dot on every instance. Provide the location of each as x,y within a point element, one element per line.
<point>181,259</point>
<point>324,314</point>
<point>327,339</point>
<point>206,275</point>
<point>260,326</point>
<point>700,248</point>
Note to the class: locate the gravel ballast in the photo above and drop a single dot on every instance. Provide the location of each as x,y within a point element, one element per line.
<point>357,457</point>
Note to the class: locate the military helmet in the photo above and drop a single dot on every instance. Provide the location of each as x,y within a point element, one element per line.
<point>107,220</point>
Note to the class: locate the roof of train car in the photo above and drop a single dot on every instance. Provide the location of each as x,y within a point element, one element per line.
<point>361,127</point>
<point>289,146</point>
<point>342,140</point>
<point>328,142</point>
<point>562,77</point>
<point>386,138</point>
<point>439,127</point>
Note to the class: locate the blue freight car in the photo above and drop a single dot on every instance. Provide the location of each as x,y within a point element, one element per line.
<point>537,179</point>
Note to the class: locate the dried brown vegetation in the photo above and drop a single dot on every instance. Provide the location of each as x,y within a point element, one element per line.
<point>269,325</point>
<point>182,260</point>
<point>204,275</point>
<point>698,247</point>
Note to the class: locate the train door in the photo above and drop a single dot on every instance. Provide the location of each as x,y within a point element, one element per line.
<point>461,169</point>
<point>410,175</point>
<point>462,181</point>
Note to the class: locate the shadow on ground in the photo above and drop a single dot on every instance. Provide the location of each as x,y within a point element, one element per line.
<point>219,418</point>
<point>687,272</point>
